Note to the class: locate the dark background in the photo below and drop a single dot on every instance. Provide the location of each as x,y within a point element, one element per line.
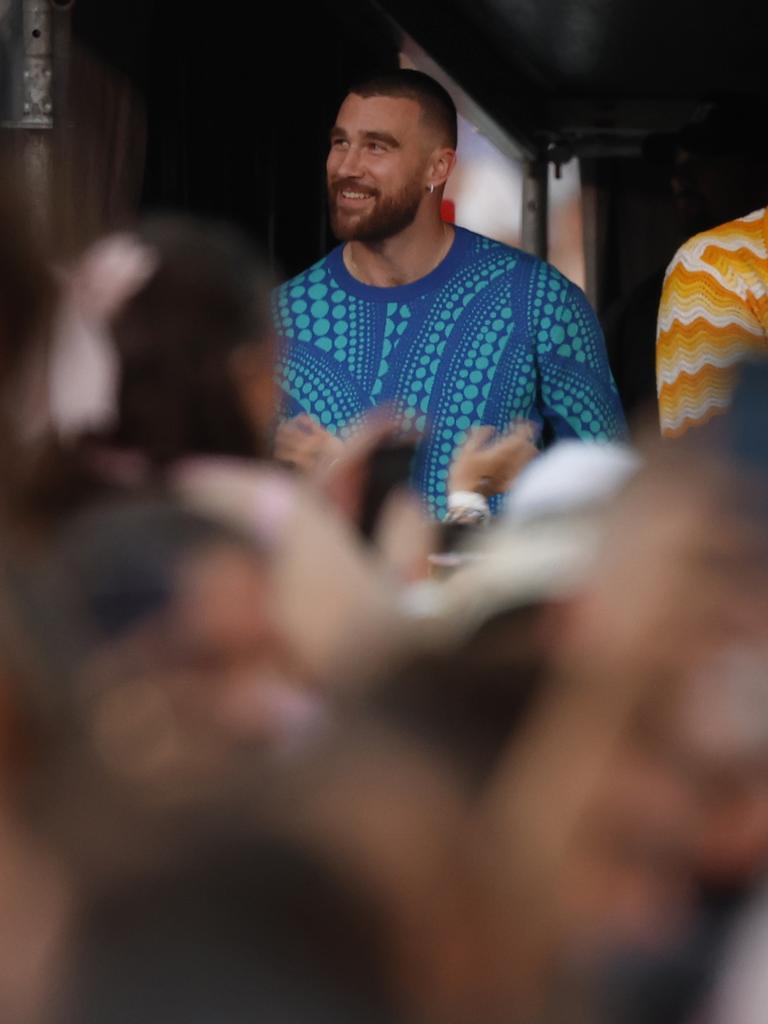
<point>232,103</point>
<point>239,105</point>
<point>239,97</point>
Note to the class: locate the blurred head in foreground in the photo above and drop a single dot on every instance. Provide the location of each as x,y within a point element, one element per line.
<point>232,929</point>
<point>163,352</point>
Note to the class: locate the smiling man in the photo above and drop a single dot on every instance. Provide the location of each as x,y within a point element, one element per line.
<point>448,329</point>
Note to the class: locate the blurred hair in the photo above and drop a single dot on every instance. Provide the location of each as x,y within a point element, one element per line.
<point>27,287</point>
<point>114,564</point>
<point>177,393</point>
<point>233,929</point>
<point>469,702</point>
<point>175,339</point>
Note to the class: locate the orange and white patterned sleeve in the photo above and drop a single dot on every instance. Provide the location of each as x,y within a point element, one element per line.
<point>708,323</point>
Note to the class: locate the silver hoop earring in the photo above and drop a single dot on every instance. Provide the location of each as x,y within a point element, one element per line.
<point>431,189</point>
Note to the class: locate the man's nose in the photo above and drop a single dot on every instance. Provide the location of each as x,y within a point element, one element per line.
<point>350,166</point>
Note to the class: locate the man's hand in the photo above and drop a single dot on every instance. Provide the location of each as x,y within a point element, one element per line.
<point>339,468</point>
<point>488,465</point>
<point>301,443</point>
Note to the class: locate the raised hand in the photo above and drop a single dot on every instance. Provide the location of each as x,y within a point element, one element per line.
<point>301,443</point>
<point>487,464</point>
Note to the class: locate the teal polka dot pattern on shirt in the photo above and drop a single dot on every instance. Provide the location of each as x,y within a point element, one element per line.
<point>491,335</point>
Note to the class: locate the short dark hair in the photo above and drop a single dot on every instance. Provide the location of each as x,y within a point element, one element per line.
<point>436,104</point>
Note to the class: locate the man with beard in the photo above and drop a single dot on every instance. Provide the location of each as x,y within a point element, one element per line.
<point>447,329</point>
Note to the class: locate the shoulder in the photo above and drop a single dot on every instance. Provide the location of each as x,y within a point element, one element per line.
<point>738,241</point>
<point>300,285</point>
<point>543,283</point>
<point>293,301</point>
<point>481,249</point>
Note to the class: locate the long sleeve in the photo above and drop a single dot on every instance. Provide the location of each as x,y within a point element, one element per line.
<point>577,393</point>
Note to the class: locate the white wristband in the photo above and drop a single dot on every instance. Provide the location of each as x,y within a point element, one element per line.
<point>468,499</point>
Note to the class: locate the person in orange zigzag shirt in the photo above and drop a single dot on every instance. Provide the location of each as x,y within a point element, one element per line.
<point>713,315</point>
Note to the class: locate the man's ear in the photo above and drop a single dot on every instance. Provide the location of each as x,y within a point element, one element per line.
<point>253,369</point>
<point>441,164</point>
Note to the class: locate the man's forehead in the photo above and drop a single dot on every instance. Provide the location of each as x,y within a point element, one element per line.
<point>396,114</point>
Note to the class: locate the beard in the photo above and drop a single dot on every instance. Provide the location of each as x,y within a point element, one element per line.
<point>388,216</point>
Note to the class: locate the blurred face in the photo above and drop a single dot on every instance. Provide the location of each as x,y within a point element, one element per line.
<point>629,876</point>
<point>675,617</point>
<point>223,632</point>
<point>209,670</point>
<point>377,167</point>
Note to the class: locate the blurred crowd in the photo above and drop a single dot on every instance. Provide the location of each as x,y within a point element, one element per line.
<point>276,747</point>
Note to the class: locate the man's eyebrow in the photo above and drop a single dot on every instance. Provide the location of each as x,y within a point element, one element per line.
<point>337,132</point>
<point>384,137</point>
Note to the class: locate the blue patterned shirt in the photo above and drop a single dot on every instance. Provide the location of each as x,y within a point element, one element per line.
<point>490,335</point>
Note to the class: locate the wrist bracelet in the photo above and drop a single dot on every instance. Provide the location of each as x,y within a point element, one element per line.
<point>466,517</point>
<point>468,500</point>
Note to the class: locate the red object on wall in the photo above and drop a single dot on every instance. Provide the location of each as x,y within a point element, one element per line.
<point>448,211</point>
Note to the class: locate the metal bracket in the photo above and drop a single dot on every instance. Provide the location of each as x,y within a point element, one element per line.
<point>534,222</point>
<point>37,111</point>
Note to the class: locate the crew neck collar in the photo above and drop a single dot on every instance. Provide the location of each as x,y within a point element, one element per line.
<point>402,293</point>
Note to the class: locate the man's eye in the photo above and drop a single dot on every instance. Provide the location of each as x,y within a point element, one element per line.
<point>377,147</point>
<point>339,143</point>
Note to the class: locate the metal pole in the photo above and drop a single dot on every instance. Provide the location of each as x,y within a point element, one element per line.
<point>534,234</point>
<point>37,110</point>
